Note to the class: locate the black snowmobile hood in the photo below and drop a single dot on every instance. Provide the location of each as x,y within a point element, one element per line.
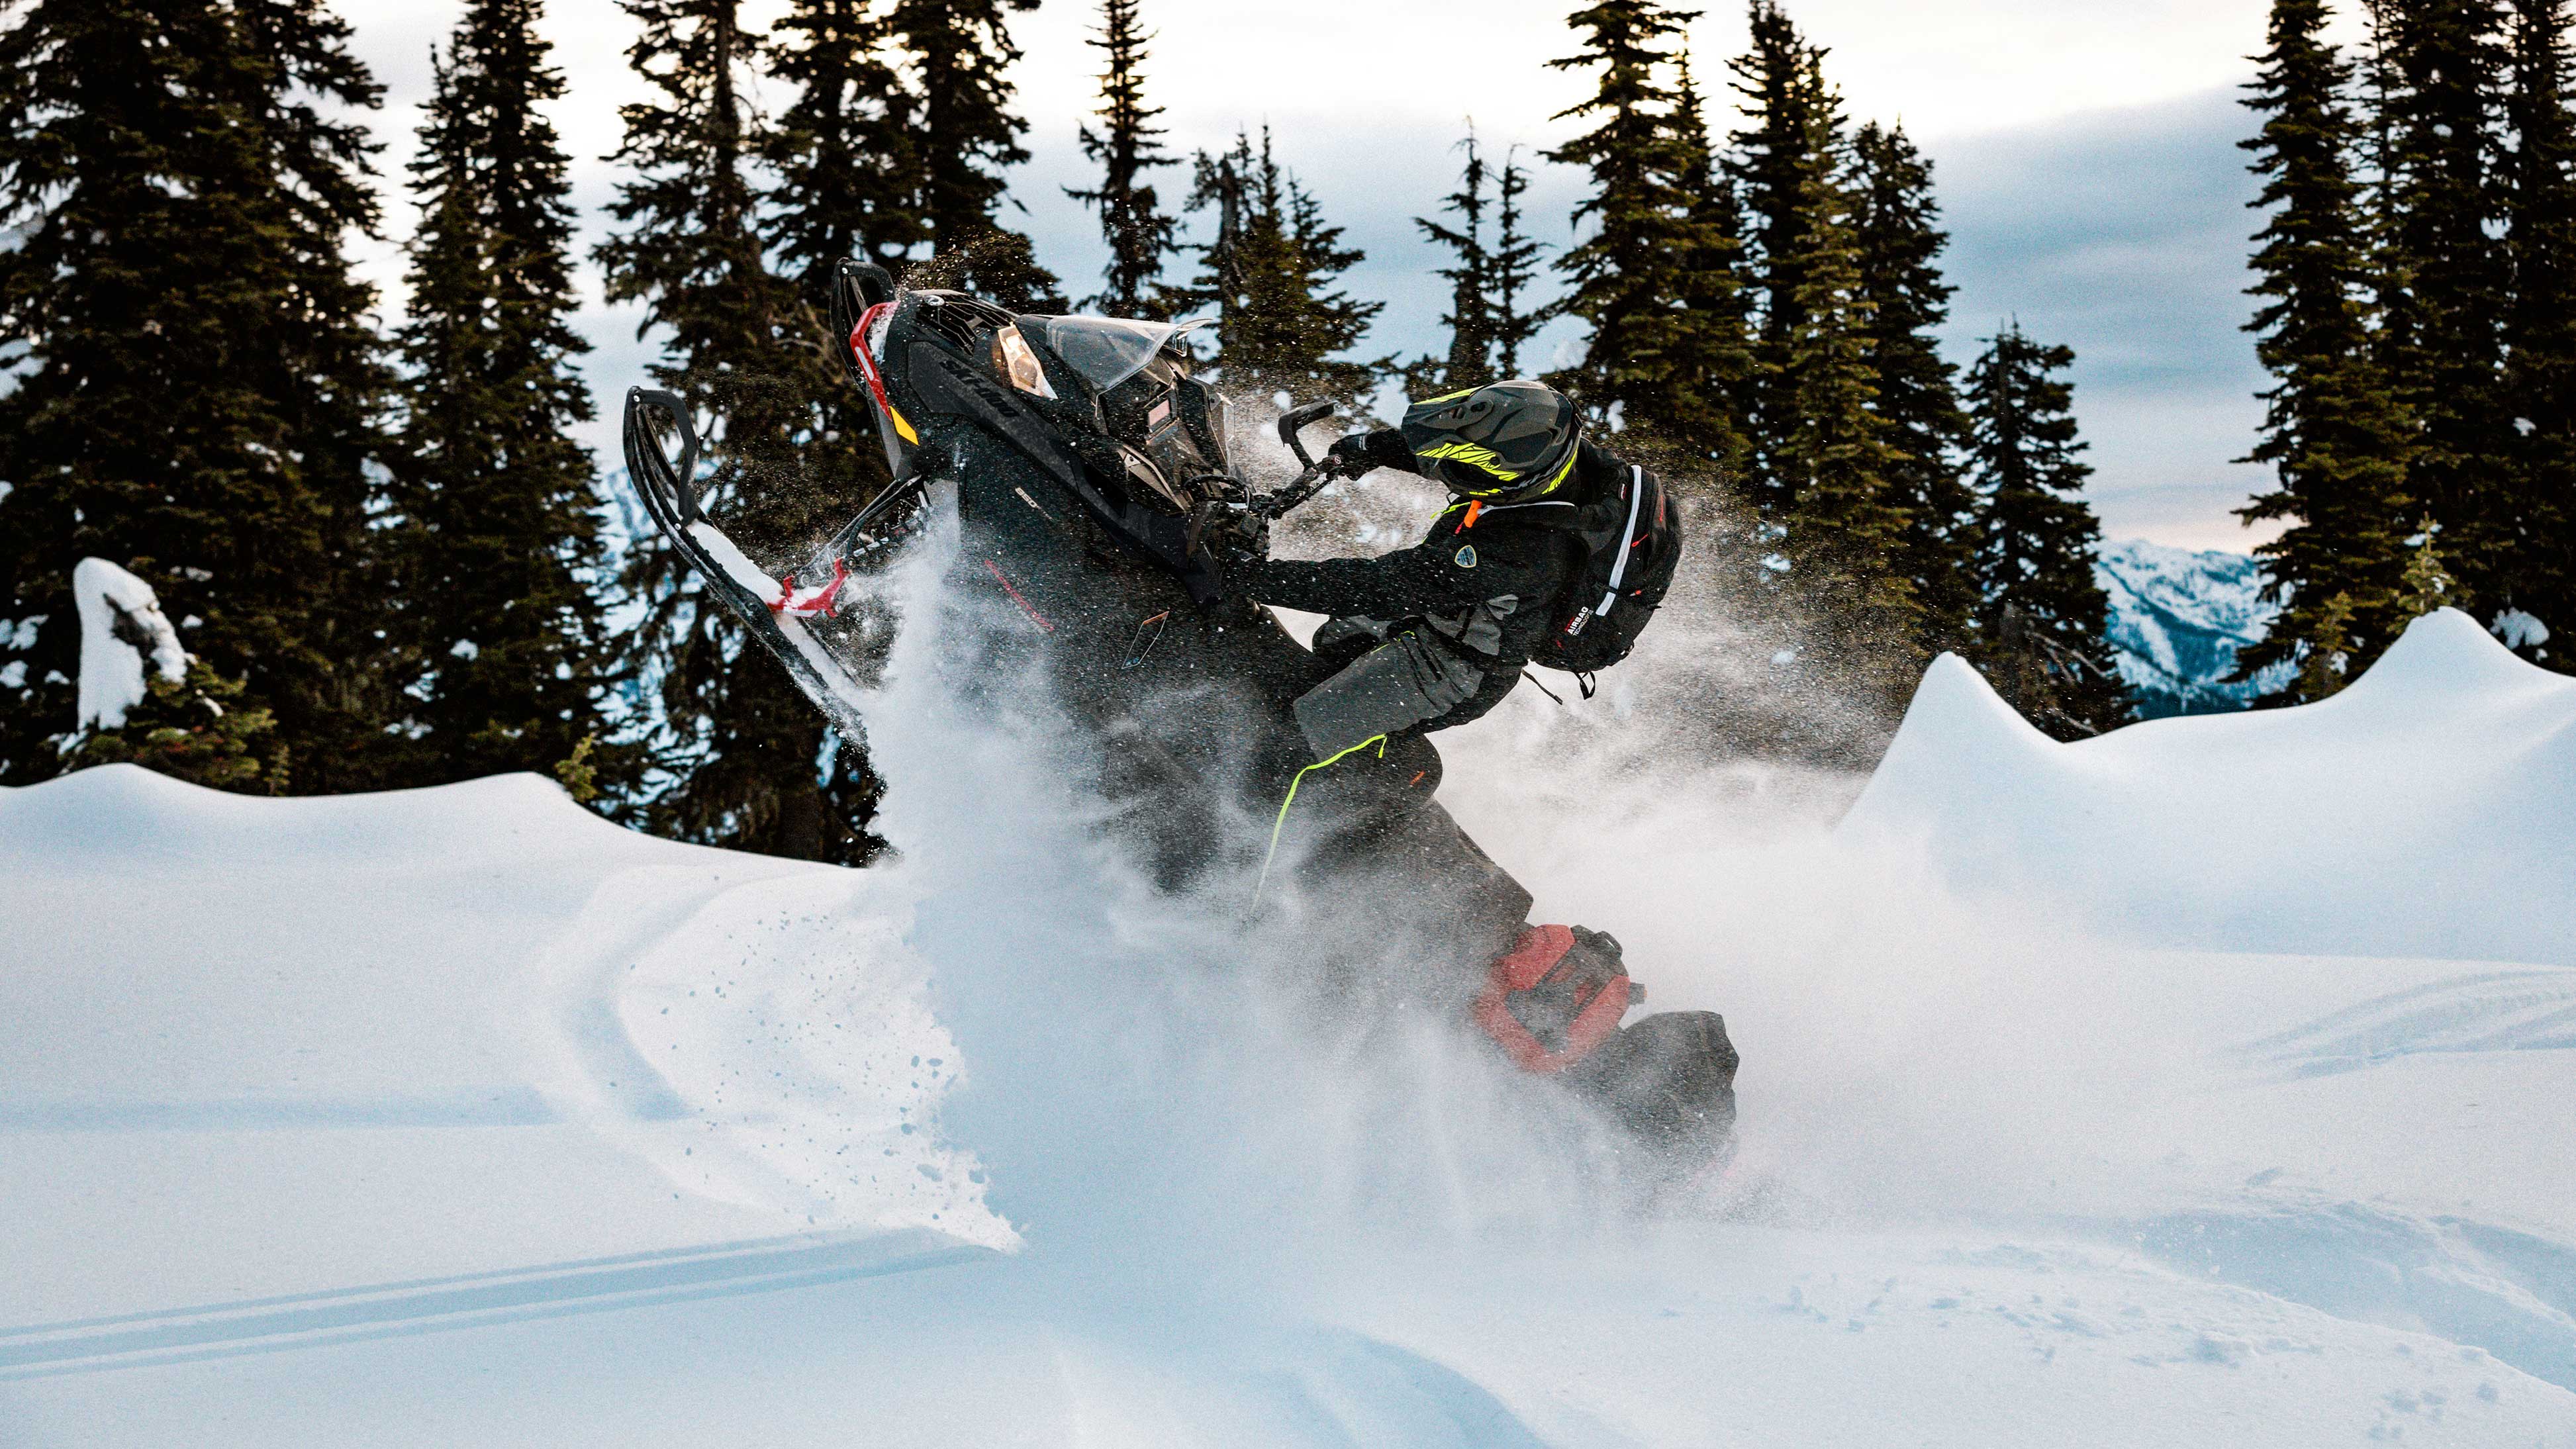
<point>1106,408</point>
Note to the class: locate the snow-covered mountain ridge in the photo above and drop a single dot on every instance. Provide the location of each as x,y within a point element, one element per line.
<point>2178,616</point>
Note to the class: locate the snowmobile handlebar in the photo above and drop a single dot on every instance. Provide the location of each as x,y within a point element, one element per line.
<point>1318,471</point>
<point>1297,420</point>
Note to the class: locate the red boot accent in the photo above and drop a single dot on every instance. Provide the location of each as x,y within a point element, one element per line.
<point>1547,1008</point>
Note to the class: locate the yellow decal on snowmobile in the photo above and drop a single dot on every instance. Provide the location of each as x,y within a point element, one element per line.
<point>1472,456</point>
<point>902,429</point>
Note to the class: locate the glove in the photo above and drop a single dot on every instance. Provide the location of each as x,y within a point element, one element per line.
<point>1349,455</point>
<point>1243,538</point>
<point>1229,535</point>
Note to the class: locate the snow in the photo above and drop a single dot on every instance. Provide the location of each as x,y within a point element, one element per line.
<point>2421,811</point>
<point>2206,1082</point>
<point>122,630</point>
<point>2518,629</point>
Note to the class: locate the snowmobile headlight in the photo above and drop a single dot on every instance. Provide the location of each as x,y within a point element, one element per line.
<point>1014,360</point>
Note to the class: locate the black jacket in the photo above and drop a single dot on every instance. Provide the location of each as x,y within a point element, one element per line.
<point>1491,587</point>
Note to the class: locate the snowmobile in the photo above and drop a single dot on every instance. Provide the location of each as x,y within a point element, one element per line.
<point>1088,467</point>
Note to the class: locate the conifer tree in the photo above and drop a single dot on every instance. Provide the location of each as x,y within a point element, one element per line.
<point>2325,654</point>
<point>1714,282</point>
<point>746,751</point>
<point>497,547</point>
<point>1487,323</point>
<point>1772,164</point>
<point>2333,430</point>
<point>961,53</point>
<point>2445,281</point>
<point>1127,146</point>
<point>2041,612</point>
<point>1471,277</point>
<point>1841,524</point>
<point>848,176</point>
<point>198,394</point>
<point>1651,252</point>
<point>196,729</point>
<point>1898,228</point>
<point>1270,270</point>
<point>2427,584</point>
<point>2539,576</point>
<point>845,149</point>
<point>1513,266</point>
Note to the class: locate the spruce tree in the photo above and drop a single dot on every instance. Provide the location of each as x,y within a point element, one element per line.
<point>2333,432</point>
<point>1772,165</point>
<point>2428,584</point>
<point>1897,224</point>
<point>961,53</point>
<point>1488,325</point>
<point>1471,278</point>
<point>746,752</point>
<point>1841,524</point>
<point>845,149</point>
<point>1643,276</point>
<point>1715,293</point>
<point>2041,614</point>
<point>847,174</point>
<point>195,729</point>
<point>1270,271</point>
<point>1512,266</point>
<point>497,550</point>
<point>198,393</point>
<point>1128,145</point>
<point>2445,281</point>
<point>2539,572</point>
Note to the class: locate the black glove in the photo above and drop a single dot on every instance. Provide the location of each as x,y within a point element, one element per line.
<point>1227,533</point>
<point>1349,455</point>
<point>1244,536</point>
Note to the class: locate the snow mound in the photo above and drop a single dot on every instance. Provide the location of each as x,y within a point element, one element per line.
<point>2429,809</point>
<point>436,1028</point>
<point>122,630</point>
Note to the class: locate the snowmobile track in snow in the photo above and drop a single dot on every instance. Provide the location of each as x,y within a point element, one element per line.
<point>2531,1010</point>
<point>435,1305</point>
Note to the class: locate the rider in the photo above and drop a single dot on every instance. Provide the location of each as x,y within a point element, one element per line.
<point>1436,634</point>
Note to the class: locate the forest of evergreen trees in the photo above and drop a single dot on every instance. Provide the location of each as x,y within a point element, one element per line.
<point>2417,280</point>
<point>394,565</point>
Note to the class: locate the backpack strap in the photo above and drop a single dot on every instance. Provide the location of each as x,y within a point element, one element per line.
<point>1619,565</point>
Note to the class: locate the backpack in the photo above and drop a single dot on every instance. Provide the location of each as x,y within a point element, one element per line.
<point>1632,542</point>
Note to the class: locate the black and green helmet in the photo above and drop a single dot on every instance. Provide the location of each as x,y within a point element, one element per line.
<point>1503,443</point>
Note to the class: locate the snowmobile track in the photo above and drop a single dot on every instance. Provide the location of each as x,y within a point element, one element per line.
<point>437,1305</point>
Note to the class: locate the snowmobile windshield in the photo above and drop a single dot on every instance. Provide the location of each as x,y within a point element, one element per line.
<point>1108,350</point>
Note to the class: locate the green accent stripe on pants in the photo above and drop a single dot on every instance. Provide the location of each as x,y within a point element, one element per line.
<point>1282,822</point>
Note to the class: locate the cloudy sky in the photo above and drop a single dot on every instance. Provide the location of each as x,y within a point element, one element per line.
<point>2084,155</point>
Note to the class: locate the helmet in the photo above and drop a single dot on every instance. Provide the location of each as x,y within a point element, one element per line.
<point>1503,442</point>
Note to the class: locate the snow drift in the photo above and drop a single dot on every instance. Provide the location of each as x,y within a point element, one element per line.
<point>2429,809</point>
<point>292,1083</point>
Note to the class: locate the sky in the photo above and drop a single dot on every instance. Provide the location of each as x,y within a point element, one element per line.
<point>2084,157</point>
